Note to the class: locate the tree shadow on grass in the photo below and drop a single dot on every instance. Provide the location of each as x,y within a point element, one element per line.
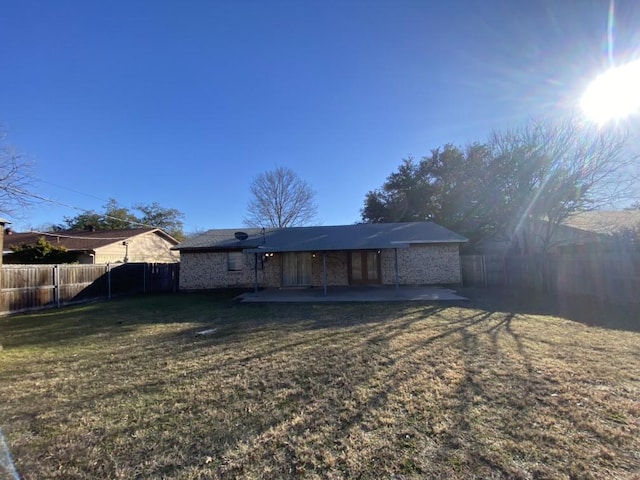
<point>256,392</point>
<point>116,317</point>
<point>580,309</point>
<point>341,385</point>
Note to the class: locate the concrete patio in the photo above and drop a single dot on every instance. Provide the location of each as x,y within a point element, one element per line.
<point>352,294</point>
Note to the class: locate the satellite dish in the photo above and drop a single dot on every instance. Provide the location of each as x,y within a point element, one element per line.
<point>241,235</point>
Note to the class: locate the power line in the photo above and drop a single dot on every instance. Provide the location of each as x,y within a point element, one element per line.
<point>72,190</point>
<point>77,237</point>
<point>84,210</point>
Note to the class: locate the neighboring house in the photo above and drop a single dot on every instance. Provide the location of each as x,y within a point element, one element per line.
<point>146,245</point>
<point>582,232</point>
<point>418,253</point>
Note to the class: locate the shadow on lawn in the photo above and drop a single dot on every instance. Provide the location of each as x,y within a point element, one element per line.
<point>578,309</point>
<point>400,366</point>
<point>273,376</point>
<point>340,383</point>
<point>369,355</point>
<point>119,316</point>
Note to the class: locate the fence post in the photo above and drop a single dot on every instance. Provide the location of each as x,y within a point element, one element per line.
<point>109,280</point>
<point>504,270</point>
<point>56,285</point>
<point>3,222</point>
<point>484,271</point>
<point>145,267</point>
<point>175,276</point>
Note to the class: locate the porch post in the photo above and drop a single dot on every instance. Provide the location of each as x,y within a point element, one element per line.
<point>396,267</point>
<point>109,279</point>
<point>324,272</point>
<point>255,273</point>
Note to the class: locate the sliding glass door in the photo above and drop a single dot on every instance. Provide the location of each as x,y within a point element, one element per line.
<point>296,269</point>
<point>364,267</point>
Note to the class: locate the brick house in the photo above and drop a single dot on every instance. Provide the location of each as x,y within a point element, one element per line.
<point>419,253</point>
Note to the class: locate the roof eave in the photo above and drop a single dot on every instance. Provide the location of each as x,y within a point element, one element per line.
<point>227,248</point>
<point>276,249</point>
<point>431,242</point>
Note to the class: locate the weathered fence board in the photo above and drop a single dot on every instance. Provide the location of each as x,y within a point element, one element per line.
<point>608,277</point>
<point>482,270</point>
<point>473,270</point>
<point>29,287</point>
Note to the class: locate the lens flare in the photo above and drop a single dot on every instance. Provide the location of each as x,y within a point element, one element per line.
<point>613,95</point>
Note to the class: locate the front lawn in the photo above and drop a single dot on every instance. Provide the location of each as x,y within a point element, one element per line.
<point>490,388</point>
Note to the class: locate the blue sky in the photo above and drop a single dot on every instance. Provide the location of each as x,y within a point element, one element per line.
<point>183,103</point>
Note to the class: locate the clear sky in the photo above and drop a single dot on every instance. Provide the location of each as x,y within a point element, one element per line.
<point>184,102</point>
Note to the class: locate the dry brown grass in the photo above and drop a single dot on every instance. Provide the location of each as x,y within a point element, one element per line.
<point>492,388</point>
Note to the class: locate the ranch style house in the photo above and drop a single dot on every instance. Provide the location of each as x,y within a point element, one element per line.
<point>416,253</point>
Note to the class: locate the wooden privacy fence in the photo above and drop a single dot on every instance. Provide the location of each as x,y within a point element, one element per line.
<point>29,287</point>
<point>482,270</point>
<point>605,276</point>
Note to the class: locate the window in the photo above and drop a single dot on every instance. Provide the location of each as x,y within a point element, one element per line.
<point>234,261</point>
<point>364,266</point>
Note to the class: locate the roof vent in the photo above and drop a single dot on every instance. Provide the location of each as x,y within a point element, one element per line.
<point>241,235</point>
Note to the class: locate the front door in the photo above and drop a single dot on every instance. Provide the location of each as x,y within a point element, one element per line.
<point>296,269</point>
<point>364,267</point>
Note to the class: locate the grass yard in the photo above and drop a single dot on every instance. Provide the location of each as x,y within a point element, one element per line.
<point>497,387</point>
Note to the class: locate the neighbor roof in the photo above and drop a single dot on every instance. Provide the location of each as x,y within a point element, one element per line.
<point>324,238</point>
<point>82,240</point>
<point>605,222</point>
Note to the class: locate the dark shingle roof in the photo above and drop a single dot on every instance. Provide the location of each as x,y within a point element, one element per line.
<point>342,237</point>
<point>223,239</point>
<point>81,240</point>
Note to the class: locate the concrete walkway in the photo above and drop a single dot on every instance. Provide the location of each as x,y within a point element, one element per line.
<point>351,294</point>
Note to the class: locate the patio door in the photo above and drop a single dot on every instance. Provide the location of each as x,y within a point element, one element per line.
<point>296,269</point>
<point>364,267</point>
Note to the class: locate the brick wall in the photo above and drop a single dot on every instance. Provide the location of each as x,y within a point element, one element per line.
<point>422,265</point>
<point>418,265</point>
<point>209,270</point>
<point>337,273</point>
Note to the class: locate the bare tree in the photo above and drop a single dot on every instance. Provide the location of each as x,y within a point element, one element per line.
<point>556,170</point>
<point>280,198</point>
<point>16,180</point>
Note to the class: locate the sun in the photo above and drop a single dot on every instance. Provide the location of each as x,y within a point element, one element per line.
<point>613,95</point>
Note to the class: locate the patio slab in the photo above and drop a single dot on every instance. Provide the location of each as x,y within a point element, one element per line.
<point>351,294</point>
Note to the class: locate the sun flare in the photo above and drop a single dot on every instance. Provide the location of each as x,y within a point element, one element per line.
<point>613,95</point>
